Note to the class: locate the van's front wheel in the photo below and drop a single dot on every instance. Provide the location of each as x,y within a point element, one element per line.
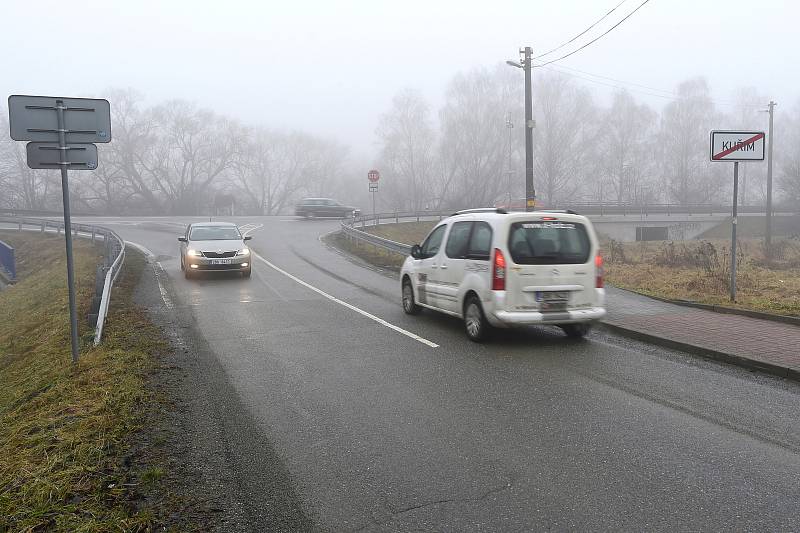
<point>475,323</point>
<point>410,305</point>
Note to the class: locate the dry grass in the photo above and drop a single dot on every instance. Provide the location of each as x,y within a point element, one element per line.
<point>405,232</point>
<point>64,429</point>
<point>699,271</point>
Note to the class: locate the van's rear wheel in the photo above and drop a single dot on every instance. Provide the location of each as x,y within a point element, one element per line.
<point>475,323</point>
<point>410,305</point>
<point>576,331</point>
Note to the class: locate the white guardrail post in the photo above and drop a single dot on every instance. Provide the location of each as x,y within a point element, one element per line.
<point>115,255</point>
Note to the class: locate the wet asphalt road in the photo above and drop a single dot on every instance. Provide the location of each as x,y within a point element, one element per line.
<point>379,431</point>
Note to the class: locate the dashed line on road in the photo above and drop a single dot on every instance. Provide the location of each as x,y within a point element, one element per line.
<point>352,307</point>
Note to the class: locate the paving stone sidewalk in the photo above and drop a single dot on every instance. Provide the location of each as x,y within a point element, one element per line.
<point>773,347</point>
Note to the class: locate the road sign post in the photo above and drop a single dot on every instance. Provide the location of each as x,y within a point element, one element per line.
<point>736,147</point>
<point>61,131</point>
<point>373,176</point>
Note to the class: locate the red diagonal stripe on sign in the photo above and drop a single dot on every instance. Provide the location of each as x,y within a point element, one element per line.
<point>737,146</point>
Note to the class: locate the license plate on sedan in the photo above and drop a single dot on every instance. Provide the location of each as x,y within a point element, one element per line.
<point>221,261</point>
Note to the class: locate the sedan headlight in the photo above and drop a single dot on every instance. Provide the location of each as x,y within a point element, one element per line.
<point>244,251</point>
<point>194,253</point>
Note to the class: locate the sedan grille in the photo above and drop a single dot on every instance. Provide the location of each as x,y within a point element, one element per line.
<point>218,255</point>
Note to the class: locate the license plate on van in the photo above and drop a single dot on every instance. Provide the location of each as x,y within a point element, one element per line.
<point>552,300</point>
<point>221,261</point>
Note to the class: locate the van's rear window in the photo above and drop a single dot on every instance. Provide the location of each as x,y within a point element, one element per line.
<point>541,242</point>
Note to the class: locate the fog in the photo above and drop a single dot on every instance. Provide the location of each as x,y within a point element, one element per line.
<point>333,70</point>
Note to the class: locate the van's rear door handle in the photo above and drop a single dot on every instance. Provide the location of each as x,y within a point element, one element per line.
<point>443,266</point>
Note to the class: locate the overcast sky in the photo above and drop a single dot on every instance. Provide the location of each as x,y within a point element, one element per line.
<point>332,67</point>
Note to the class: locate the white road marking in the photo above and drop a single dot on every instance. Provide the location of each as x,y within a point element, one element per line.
<point>255,227</point>
<point>158,270</point>
<point>146,251</point>
<point>347,305</point>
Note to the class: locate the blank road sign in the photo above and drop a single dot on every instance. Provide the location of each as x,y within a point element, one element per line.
<point>46,155</point>
<point>35,118</point>
<point>737,145</point>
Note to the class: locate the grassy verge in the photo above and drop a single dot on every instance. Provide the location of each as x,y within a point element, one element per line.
<point>64,429</point>
<point>699,271</point>
<point>405,232</point>
<point>369,253</point>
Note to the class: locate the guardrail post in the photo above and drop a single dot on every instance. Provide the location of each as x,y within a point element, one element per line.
<point>92,234</point>
<point>396,218</point>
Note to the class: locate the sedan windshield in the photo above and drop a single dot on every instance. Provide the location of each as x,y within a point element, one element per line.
<point>215,233</point>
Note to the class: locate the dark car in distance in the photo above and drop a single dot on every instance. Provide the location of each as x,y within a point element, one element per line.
<point>324,207</point>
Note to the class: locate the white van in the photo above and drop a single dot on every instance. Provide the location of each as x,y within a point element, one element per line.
<point>497,269</point>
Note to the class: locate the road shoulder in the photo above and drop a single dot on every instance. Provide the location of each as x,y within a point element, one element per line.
<point>216,450</point>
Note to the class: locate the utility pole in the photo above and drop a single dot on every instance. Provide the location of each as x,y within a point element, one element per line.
<point>530,192</point>
<point>768,235</point>
<point>510,170</point>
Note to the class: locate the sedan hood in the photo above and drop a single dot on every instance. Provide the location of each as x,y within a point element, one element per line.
<point>213,246</point>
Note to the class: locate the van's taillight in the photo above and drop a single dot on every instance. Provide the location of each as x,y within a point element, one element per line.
<point>598,268</point>
<point>498,271</point>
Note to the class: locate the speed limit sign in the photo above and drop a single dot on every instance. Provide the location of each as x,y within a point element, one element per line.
<point>373,176</point>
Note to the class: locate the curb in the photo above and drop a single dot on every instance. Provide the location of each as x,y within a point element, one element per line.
<point>795,321</point>
<point>708,353</point>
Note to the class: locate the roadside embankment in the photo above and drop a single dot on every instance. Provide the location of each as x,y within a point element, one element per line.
<point>67,431</point>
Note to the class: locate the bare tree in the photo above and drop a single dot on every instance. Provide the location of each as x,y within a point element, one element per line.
<point>623,149</point>
<point>408,151</point>
<point>474,146</point>
<point>689,176</point>
<point>748,114</point>
<point>23,187</point>
<point>787,144</point>
<point>564,138</point>
<point>188,149</point>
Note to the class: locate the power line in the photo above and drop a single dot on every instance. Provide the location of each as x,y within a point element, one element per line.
<point>620,84</point>
<point>598,21</point>
<point>629,15</point>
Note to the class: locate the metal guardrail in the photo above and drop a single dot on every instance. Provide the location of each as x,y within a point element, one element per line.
<point>604,209</point>
<point>354,228</point>
<point>38,213</point>
<point>351,230</point>
<point>106,273</point>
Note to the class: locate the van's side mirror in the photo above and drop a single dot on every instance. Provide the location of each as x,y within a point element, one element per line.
<point>247,237</point>
<point>416,252</point>
<point>182,239</point>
